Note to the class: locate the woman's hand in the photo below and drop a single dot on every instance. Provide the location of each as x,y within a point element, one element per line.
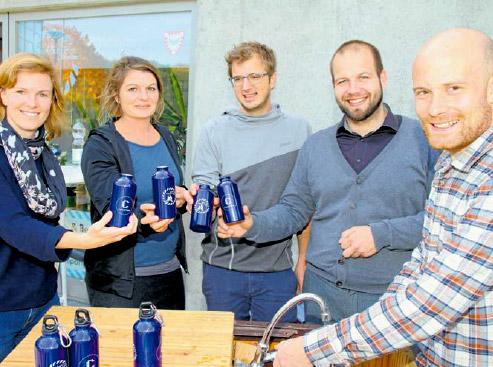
<point>150,218</point>
<point>98,234</point>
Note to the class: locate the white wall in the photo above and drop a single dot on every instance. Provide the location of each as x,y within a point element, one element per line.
<point>304,34</point>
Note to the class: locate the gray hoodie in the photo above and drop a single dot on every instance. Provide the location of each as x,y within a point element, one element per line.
<point>259,154</point>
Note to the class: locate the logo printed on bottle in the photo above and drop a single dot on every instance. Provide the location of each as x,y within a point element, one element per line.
<point>168,196</point>
<point>124,205</point>
<point>59,363</point>
<point>89,361</point>
<point>201,206</point>
<point>228,201</point>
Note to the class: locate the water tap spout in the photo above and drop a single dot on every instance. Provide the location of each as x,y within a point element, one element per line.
<point>261,354</point>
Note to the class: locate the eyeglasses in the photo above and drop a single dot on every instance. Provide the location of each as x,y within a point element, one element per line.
<point>253,78</point>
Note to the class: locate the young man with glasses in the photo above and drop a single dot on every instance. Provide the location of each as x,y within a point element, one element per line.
<point>364,183</point>
<point>257,145</point>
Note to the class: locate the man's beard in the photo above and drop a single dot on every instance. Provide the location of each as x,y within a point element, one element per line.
<point>363,115</point>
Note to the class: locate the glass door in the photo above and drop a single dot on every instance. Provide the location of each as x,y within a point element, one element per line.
<point>4,26</point>
<point>84,44</point>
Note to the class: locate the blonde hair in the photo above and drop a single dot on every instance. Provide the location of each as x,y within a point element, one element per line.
<point>246,50</point>
<point>110,108</point>
<point>31,63</point>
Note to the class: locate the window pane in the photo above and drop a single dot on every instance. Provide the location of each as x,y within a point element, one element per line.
<point>83,49</point>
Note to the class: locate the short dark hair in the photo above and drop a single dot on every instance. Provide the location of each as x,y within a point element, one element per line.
<point>246,50</point>
<point>357,44</point>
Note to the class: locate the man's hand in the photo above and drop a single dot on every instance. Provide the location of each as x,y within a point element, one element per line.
<point>299,271</point>
<point>291,353</point>
<point>358,242</point>
<point>183,197</point>
<point>158,225</point>
<point>236,229</point>
<point>192,191</point>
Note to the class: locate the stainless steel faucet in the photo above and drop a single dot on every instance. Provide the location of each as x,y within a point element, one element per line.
<point>262,354</point>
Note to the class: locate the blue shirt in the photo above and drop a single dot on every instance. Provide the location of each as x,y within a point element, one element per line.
<point>153,248</point>
<point>358,150</point>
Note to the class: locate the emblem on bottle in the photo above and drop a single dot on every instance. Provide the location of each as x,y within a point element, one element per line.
<point>229,198</point>
<point>202,208</point>
<point>163,191</point>
<point>122,200</point>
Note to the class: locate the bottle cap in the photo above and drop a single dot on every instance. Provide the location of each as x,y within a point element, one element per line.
<point>224,178</point>
<point>161,168</point>
<point>50,324</point>
<point>147,310</point>
<point>82,317</point>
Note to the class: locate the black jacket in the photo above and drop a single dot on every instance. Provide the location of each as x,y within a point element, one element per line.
<point>105,157</point>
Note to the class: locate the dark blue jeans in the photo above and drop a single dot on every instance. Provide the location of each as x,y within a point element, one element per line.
<point>15,325</point>
<point>341,302</point>
<point>250,295</point>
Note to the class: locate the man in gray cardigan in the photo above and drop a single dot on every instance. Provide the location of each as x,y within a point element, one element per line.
<point>363,182</point>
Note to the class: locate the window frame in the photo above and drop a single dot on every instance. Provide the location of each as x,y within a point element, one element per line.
<point>138,9</point>
<point>4,20</point>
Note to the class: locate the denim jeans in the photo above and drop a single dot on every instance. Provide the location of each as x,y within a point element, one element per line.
<point>250,295</point>
<point>15,325</point>
<point>341,302</point>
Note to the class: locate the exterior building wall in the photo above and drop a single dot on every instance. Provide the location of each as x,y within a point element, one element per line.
<point>304,35</point>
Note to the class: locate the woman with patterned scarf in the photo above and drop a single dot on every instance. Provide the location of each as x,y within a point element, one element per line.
<point>32,196</point>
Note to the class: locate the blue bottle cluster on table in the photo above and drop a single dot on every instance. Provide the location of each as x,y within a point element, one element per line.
<point>80,348</point>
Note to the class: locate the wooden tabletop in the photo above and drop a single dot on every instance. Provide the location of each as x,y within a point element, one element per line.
<point>189,338</point>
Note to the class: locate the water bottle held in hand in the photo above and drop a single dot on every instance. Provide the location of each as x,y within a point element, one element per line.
<point>122,200</point>
<point>163,190</point>
<point>230,201</point>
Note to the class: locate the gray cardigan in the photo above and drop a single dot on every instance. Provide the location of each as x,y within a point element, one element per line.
<point>389,195</point>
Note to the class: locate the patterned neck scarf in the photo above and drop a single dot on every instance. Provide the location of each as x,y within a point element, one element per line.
<point>47,199</point>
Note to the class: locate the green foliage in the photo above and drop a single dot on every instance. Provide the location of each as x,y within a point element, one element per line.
<point>174,116</point>
<point>88,112</point>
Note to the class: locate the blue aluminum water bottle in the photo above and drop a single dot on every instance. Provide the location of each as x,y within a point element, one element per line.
<point>48,348</point>
<point>163,190</point>
<point>122,200</point>
<point>84,350</point>
<point>147,337</point>
<point>229,197</point>
<point>203,204</point>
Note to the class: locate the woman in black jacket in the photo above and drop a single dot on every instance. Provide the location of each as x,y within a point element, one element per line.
<point>146,266</point>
